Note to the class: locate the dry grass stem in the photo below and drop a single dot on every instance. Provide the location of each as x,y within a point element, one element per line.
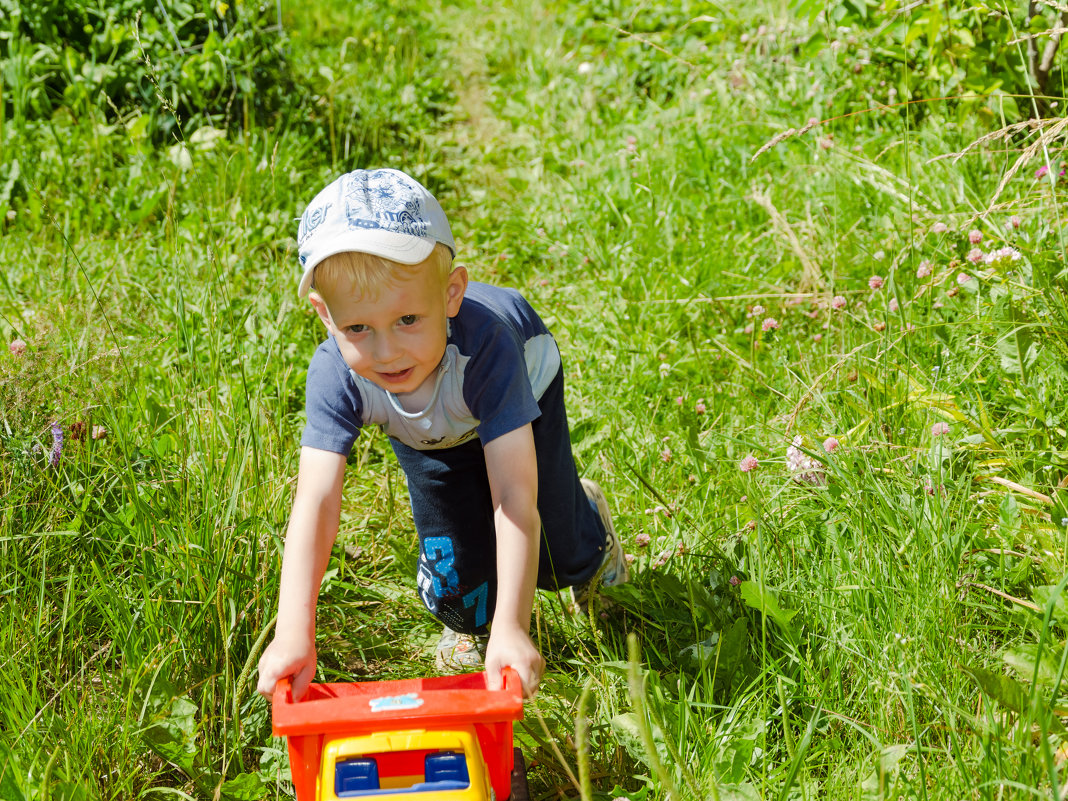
<point>811,276</point>
<point>789,132</point>
<point>1030,493</point>
<point>1052,131</point>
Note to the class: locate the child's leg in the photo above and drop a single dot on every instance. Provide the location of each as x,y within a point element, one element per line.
<point>453,512</point>
<point>573,537</point>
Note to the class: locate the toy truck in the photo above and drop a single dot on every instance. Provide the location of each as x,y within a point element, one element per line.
<point>433,739</point>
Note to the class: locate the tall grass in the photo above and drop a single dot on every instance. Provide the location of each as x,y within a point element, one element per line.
<point>885,620</point>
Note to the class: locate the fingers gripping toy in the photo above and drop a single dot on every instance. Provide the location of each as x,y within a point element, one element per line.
<point>433,739</point>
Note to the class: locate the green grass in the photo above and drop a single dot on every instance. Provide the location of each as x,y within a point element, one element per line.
<point>887,632</point>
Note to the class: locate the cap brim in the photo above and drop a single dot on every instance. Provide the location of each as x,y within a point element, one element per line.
<point>401,248</point>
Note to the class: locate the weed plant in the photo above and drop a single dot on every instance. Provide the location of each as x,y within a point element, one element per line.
<point>815,345</point>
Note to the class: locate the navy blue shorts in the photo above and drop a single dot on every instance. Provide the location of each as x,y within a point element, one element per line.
<point>453,513</point>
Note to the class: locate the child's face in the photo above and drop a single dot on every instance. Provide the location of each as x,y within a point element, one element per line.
<point>396,339</point>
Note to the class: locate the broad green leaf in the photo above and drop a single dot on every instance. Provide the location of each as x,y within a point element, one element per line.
<point>244,787</point>
<point>1044,596</point>
<point>1024,659</point>
<point>625,728</point>
<point>876,784</point>
<point>766,601</point>
<point>10,773</point>
<point>738,792</point>
<point>1008,692</point>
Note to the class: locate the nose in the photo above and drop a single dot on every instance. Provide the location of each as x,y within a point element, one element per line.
<point>386,348</point>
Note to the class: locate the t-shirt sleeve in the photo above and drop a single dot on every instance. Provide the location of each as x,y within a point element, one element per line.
<point>497,387</point>
<point>333,405</point>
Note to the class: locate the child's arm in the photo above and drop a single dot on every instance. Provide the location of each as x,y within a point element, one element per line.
<point>512,467</point>
<point>309,538</point>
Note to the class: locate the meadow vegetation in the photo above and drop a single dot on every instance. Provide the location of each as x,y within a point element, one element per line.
<point>806,263</point>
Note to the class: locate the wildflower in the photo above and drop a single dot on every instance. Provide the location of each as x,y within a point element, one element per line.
<point>57,444</point>
<point>939,228</point>
<point>952,292</point>
<point>875,282</point>
<point>77,431</point>
<point>748,464</point>
<point>963,278</point>
<point>831,444</point>
<point>662,557</point>
<point>17,347</point>
<point>664,368</point>
<point>938,429</point>
<point>585,68</point>
<point>679,400</point>
<point>1041,171</point>
<point>804,468</point>
<point>758,310</point>
<point>99,432</point>
<point>629,557</point>
<point>879,326</point>
<point>924,269</point>
<point>975,236</point>
<point>878,255</point>
<point>665,455</point>
<point>893,304</point>
<point>838,302</point>
<point>642,539</point>
<point>734,581</point>
<point>700,407</point>
<point>769,324</point>
<point>748,329</point>
<point>817,337</point>
<point>1002,255</point>
<point>1015,221</point>
<point>937,304</point>
<point>975,255</point>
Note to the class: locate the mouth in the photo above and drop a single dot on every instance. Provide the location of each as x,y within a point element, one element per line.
<point>398,377</point>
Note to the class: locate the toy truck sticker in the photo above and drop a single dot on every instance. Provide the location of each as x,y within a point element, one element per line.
<point>407,701</point>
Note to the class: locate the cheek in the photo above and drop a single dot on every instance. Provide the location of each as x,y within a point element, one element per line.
<point>352,355</point>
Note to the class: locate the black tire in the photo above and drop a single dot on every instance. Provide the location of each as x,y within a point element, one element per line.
<point>520,790</point>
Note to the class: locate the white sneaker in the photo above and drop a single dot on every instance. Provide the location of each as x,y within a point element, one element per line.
<point>458,652</point>
<point>613,569</point>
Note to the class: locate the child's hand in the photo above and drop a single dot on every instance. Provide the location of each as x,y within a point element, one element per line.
<point>512,647</point>
<point>284,657</point>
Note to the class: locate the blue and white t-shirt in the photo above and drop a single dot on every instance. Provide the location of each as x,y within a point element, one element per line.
<point>499,360</point>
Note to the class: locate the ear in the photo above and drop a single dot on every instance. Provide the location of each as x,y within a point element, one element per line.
<point>454,290</point>
<point>319,305</point>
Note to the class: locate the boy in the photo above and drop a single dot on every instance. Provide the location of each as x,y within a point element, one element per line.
<point>466,381</point>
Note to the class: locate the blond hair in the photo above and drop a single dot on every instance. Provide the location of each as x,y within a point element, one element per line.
<point>363,274</point>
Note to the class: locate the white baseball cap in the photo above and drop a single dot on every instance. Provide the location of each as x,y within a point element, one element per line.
<point>383,212</point>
